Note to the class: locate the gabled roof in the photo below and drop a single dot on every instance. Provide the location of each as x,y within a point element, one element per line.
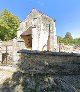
<point>27,32</point>
<point>40,13</point>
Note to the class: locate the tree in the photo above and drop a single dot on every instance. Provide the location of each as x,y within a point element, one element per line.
<point>77,41</point>
<point>68,35</point>
<point>68,39</point>
<point>8,25</point>
<point>60,39</point>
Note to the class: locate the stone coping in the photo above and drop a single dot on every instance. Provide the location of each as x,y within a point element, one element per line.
<point>48,53</point>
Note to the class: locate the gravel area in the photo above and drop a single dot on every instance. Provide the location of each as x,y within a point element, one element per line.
<point>6,72</point>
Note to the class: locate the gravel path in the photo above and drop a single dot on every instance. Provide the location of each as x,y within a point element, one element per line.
<point>6,72</point>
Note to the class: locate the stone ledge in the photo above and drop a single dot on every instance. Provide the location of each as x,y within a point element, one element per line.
<point>49,53</point>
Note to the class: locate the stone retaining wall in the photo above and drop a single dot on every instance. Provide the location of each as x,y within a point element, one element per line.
<point>49,71</point>
<point>51,62</point>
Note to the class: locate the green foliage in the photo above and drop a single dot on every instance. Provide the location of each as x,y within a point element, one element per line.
<point>68,39</point>
<point>8,25</point>
<point>60,39</point>
<point>77,41</point>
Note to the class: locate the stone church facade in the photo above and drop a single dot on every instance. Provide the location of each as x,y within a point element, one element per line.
<point>36,32</point>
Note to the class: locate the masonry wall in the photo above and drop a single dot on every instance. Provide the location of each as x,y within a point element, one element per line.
<point>69,48</point>
<point>49,71</point>
<point>6,47</point>
<point>11,47</point>
<point>55,63</point>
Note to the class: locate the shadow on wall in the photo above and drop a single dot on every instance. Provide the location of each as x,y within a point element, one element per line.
<point>40,76</point>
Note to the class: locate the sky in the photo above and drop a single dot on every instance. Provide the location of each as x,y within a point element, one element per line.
<point>66,12</point>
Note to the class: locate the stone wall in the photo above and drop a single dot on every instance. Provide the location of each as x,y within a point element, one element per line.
<point>17,44</point>
<point>69,48</point>
<point>50,71</point>
<point>8,50</point>
<point>66,62</point>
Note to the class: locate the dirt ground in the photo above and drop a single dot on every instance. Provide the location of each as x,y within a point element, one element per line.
<point>6,72</point>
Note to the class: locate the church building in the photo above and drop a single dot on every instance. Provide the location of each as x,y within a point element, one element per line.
<point>38,31</point>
